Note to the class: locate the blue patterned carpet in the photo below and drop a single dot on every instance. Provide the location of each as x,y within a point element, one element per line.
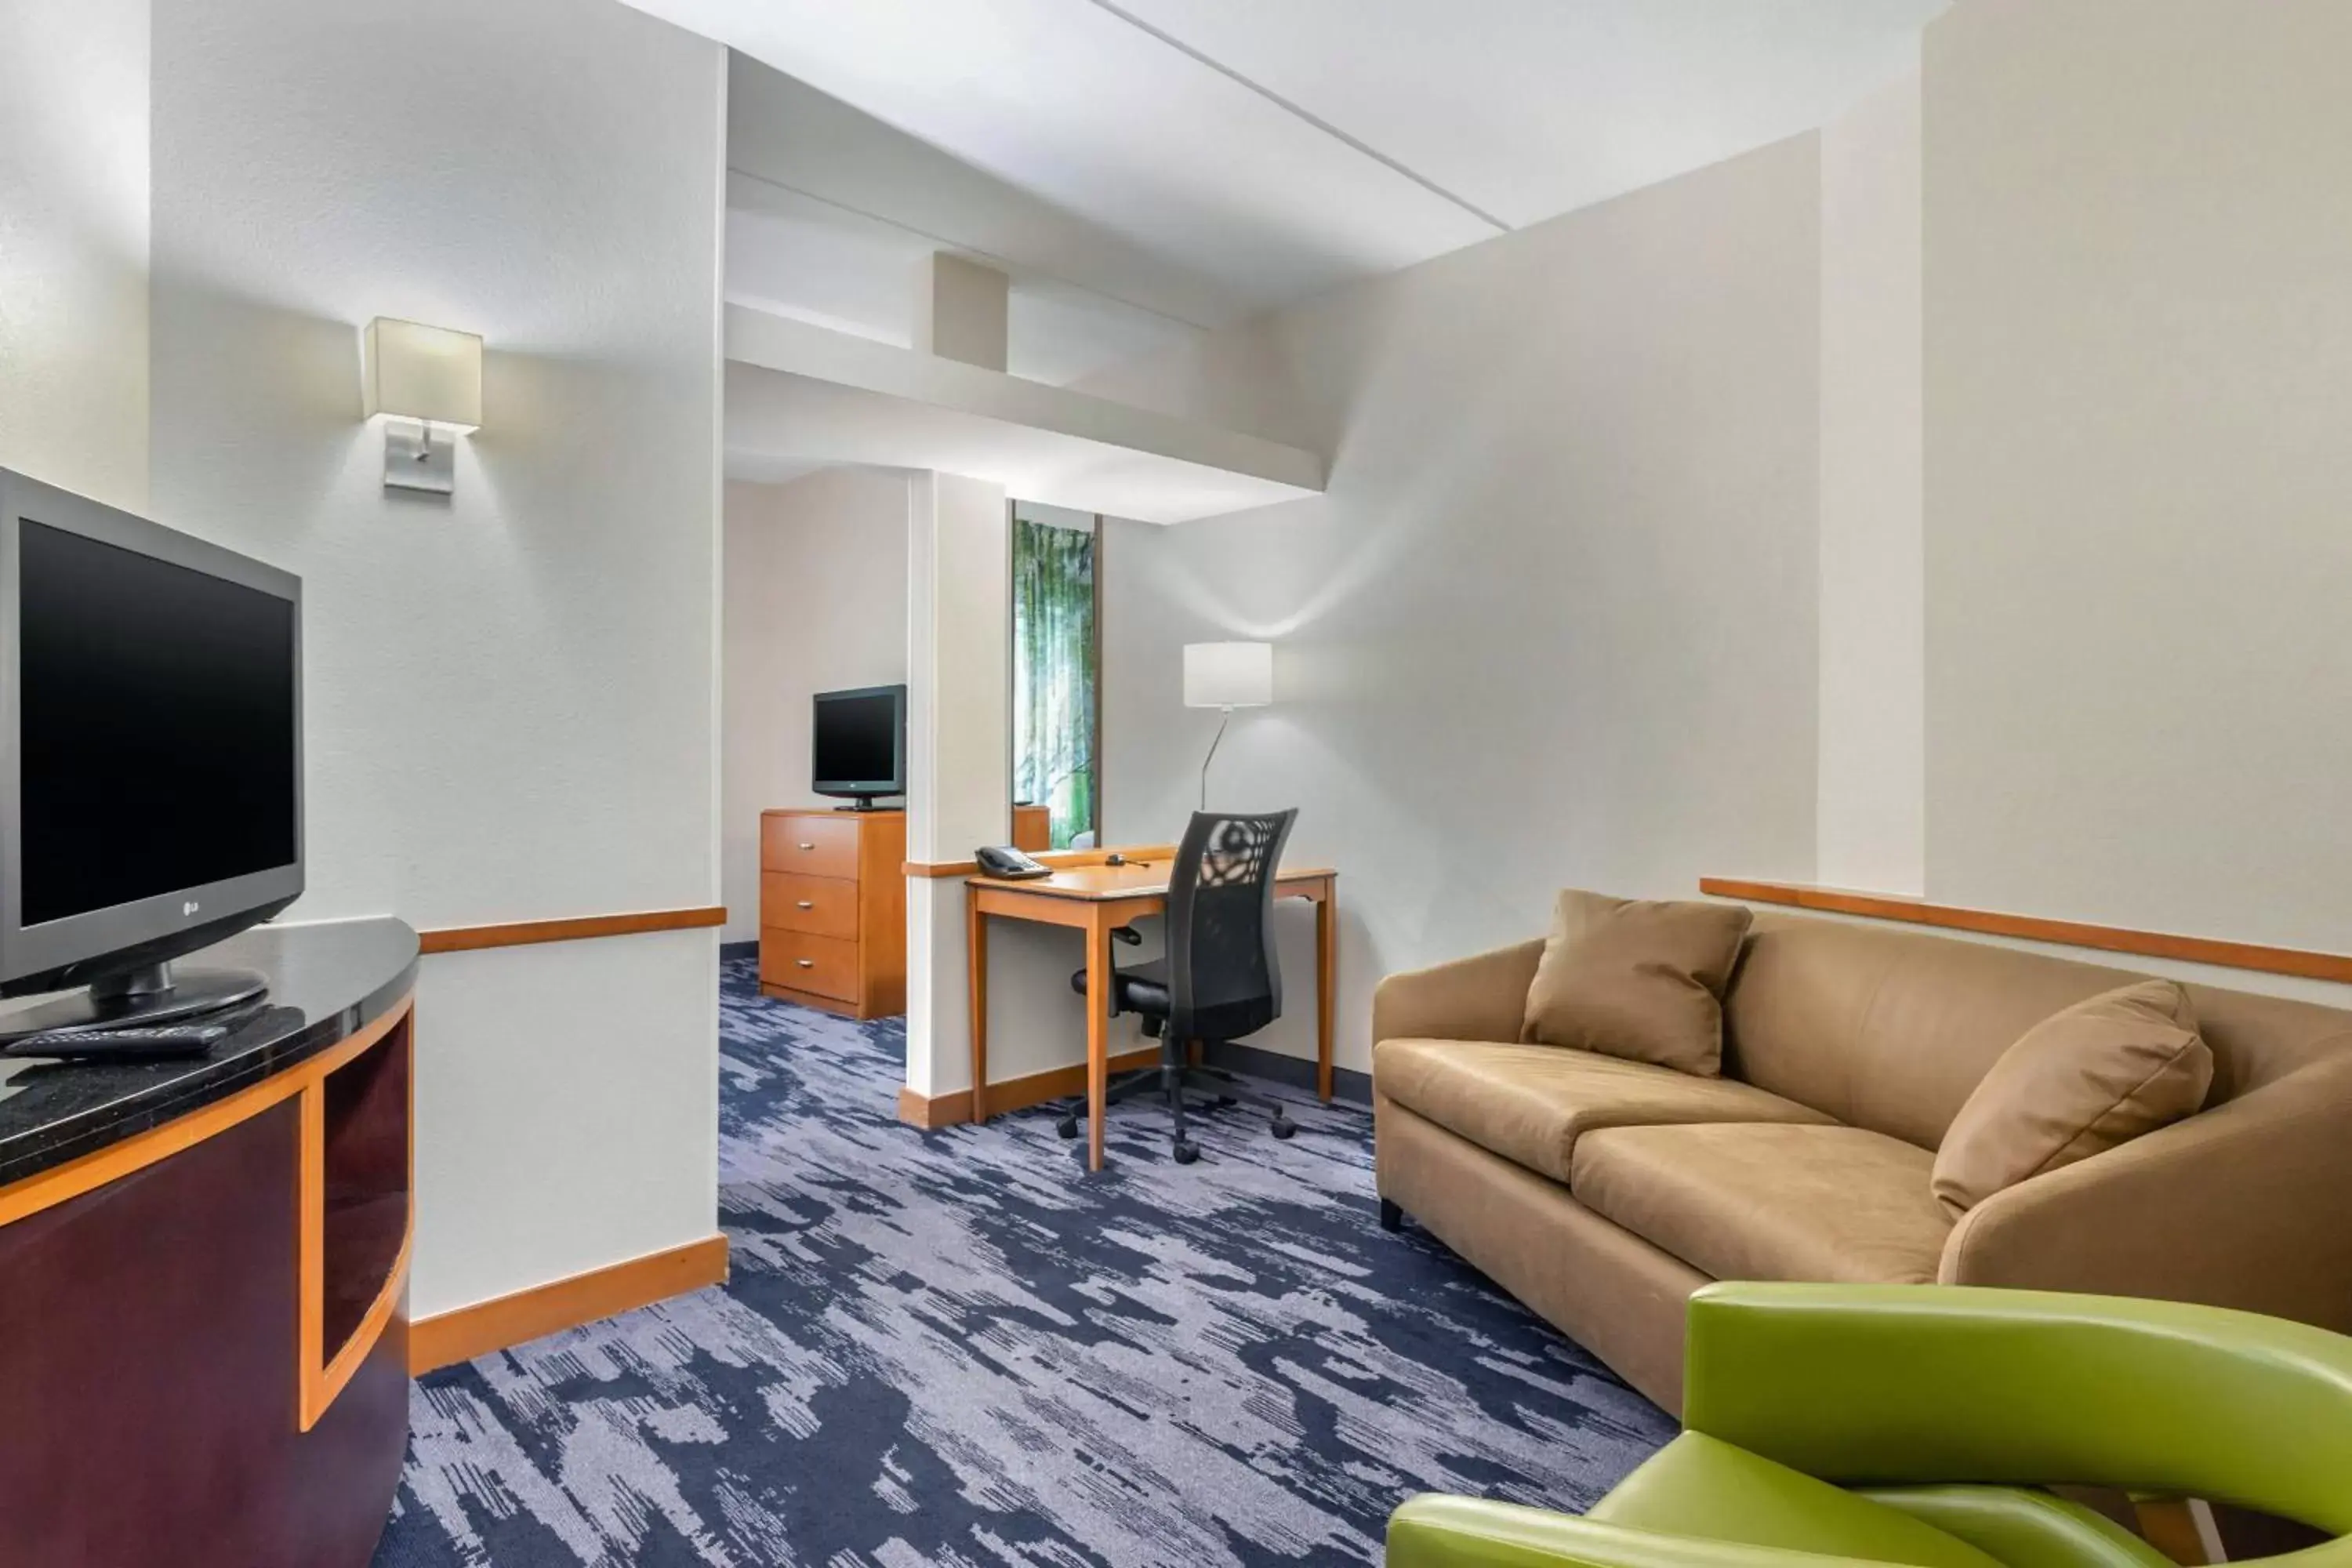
<point>957,1347</point>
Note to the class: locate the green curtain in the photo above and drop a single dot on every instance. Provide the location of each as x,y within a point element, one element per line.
<point>1054,673</point>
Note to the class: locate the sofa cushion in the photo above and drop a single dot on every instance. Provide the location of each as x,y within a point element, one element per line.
<point>1639,980</point>
<point>1893,1029</point>
<point>1771,1202</point>
<point>2082,1081</point>
<point>1530,1103</point>
<point>1700,1486</point>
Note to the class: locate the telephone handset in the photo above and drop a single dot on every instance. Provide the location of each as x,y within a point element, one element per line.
<point>1003,860</point>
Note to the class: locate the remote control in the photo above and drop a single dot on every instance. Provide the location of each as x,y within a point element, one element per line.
<point>145,1043</point>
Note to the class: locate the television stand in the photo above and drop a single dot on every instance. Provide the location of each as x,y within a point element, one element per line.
<point>204,1274</point>
<point>153,994</point>
<point>833,911</point>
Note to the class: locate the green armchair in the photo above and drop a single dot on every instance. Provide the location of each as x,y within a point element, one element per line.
<point>1916,1424</point>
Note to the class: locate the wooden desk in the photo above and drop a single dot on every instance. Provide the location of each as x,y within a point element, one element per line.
<point>1094,899</point>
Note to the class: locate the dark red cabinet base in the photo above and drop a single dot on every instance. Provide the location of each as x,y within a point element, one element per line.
<point>203,1269</point>
<point>149,1385</point>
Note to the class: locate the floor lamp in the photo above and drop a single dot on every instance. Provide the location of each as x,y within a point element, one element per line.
<point>1226,675</point>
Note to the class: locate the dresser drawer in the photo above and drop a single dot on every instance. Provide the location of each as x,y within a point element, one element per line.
<point>809,846</point>
<point>820,906</point>
<point>824,965</point>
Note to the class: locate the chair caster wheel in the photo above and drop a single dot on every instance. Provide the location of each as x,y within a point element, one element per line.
<point>1187,1152</point>
<point>1067,1126</point>
<point>1284,1128</point>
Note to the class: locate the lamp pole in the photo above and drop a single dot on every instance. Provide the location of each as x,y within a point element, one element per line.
<point>1227,719</point>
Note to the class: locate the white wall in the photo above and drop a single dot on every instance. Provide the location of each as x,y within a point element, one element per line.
<point>1553,623</point>
<point>1873,799</point>
<point>511,699</point>
<point>73,245</point>
<point>815,599</point>
<point>2139,389</point>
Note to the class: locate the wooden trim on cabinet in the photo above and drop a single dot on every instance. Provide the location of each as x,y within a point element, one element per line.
<point>576,927</point>
<point>317,1383</point>
<point>319,1378</point>
<point>320,1387</point>
<point>310,1252</point>
<point>509,1320</point>
<point>933,1111</point>
<point>2300,962</point>
<point>46,1189</point>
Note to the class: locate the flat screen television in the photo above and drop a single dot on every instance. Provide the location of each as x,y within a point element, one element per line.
<point>151,759</point>
<point>858,743</point>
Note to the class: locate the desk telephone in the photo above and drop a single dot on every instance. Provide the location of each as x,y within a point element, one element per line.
<point>1003,860</point>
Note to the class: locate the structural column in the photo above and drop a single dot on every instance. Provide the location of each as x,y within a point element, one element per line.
<point>958,729</point>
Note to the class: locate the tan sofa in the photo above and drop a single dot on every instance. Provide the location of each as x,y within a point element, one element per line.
<point>1601,1192</point>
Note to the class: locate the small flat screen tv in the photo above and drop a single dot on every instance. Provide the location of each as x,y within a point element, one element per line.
<point>859,743</point>
<point>151,757</point>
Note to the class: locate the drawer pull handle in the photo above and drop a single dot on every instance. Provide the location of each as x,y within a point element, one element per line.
<point>805,963</point>
<point>806,845</point>
<point>806,905</point>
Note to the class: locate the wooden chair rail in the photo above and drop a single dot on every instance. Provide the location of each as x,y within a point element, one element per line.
<point>577,927</point>
<point>2300,962</point>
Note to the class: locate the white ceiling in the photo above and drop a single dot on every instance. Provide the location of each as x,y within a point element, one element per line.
<point>1525,109</point>
<point>1265,150</point>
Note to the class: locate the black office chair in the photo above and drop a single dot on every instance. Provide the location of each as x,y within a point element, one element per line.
<point>1219,981</point>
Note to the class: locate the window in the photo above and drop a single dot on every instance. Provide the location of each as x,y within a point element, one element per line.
<point>1055,667</point>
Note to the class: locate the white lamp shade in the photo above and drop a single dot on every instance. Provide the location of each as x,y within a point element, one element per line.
<point>430,373</point>
<point>1228,674</point>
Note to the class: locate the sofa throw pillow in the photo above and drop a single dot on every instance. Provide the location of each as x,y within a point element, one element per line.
<point>1638,980</point>
<point>2080,1082</point>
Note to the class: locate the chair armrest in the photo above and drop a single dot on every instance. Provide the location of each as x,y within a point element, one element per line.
<point>1434,1531</point>
<point>1908,1384</point>
<point>2241,1206</point>
<point>1483,997</point>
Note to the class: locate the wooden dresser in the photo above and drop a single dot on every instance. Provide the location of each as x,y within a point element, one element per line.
<point>833,909</point>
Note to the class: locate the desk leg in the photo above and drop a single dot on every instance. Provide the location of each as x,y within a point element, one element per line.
<point>976,966</point>
<point>1326,978</point>
<point>1097,1034</point>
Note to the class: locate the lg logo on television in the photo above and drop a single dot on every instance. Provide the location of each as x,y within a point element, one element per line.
<point>190,908</point>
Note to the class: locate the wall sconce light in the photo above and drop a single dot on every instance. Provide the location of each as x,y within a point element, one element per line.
<point>418,377</point>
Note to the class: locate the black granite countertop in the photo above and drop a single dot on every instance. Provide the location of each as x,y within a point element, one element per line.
<point>327,982</point>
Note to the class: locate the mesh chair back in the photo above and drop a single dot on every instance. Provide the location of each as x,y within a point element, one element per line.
<point>1223,978</point>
